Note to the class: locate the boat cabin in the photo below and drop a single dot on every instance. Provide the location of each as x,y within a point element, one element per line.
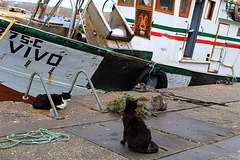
<point>200,35</point>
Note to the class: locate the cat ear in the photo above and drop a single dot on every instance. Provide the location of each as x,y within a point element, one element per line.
<point>136,100</point>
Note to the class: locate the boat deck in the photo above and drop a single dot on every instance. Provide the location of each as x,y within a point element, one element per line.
<point>12,15</point>
<point>185,131</point>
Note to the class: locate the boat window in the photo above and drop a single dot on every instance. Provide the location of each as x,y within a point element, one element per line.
<point>185,8</point>
<point>166,6</point>
<point>129,3</point>
<point>211,6</point>
<point>238,34</point>
<point>145,4</point>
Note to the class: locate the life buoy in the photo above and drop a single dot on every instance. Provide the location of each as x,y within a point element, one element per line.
<point>158,72</point>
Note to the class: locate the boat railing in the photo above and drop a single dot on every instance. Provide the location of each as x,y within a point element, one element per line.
<point>53,112</point>
<point>99,106</point>
<point>116,20</point>
<point>107,30</point>
<point>185,35</point>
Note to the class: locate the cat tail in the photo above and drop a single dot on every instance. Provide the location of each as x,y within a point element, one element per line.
<point>153,148</point>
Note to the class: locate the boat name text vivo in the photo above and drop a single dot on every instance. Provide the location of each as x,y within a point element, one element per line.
<point>53,59</point>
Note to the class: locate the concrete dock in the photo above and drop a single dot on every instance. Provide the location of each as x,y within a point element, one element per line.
<point>186,131</point>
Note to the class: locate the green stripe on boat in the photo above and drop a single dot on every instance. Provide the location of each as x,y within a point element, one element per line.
<point>179,30</point>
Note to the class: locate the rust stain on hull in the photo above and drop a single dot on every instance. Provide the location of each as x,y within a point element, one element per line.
<point>50,77</point>
<point>8,94</point>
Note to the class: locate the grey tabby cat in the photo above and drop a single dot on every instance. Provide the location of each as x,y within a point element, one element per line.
<point>159,103</point>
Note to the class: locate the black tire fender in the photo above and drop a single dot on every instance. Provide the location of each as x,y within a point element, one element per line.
<point>162,81</point>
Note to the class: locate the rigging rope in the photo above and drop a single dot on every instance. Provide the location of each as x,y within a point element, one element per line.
<point>35,137</point>
<point>152,68</point>
<point>51,13</point>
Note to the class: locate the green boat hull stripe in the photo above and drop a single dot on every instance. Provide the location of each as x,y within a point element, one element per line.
<point>86,47</point>
<point>55,39</point>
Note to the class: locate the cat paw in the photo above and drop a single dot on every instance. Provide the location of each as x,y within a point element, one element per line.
<point>122,142</point>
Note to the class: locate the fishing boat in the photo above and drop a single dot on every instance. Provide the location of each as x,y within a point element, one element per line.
<point>201,36</point>
<point>168,43</point>
<point>26,49</point>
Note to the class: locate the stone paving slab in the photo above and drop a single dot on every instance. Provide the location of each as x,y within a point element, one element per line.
<point>189,128</point>
<point>217,115</point>
<point>185,131</point>
<point>178,105</point>
<point>76,148</point>
<point>52,123</point>
<point>225,150</point>
<point>219,93</point>
<point>109,135</point>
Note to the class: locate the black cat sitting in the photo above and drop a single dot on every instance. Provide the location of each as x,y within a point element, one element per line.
<point>59,100</point>
<point>136,133</point>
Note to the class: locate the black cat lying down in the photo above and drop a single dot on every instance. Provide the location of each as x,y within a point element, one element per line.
<point>59,100</point>
<point>136,133</point>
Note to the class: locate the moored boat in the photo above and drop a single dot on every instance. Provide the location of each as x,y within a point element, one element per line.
<point>194,42</point>
<point>201,36</point>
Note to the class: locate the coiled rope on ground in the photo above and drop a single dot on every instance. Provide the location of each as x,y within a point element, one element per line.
<point>34,137</point>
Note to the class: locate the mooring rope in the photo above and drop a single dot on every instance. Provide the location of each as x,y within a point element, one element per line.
<point>34,137</point>
<point>152,66</point>
<point>189,100</point>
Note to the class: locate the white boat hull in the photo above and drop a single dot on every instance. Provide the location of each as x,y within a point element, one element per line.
<point>23,55</point>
